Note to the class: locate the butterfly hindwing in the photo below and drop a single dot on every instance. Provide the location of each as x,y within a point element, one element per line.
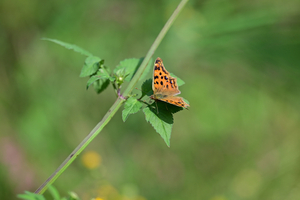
<point>177,101</point>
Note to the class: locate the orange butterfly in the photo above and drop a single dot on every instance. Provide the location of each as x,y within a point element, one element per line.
<point>165,87</point>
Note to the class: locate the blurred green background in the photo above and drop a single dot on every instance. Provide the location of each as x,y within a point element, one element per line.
<point>239,139</point>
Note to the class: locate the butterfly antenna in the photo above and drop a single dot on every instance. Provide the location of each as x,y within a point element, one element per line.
<point>143,101</point>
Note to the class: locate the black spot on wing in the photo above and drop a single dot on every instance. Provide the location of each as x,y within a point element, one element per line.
<point>155,77</point>
<point>161,83</point>
<point>164,70</point>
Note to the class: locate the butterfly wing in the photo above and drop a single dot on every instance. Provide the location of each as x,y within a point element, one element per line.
<point>177,101</point>
<point>165,86</point>
<point>162,82</point>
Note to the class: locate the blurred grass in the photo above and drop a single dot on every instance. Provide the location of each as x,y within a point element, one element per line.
<point>239,140</point>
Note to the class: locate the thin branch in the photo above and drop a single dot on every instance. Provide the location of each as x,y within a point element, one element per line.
<point>111,112</point>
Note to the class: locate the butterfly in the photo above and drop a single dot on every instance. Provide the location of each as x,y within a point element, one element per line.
<point>165,87</point>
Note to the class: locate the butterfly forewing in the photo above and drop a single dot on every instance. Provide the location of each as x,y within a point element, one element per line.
<point>162,81</point>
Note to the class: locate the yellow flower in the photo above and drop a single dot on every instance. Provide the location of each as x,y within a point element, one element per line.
<point>91,159</point>
<point>98,198</point>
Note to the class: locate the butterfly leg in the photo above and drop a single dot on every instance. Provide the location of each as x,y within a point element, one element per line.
<point>156,107</point>
<point>166,106</point>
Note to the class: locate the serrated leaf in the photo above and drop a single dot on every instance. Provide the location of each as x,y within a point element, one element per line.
<point>101,74</point>
<point>101,84</point>
<point>90,66</point>
<point>121,72</point>
<point>131,106</point>
<point>179,81</point>
<point>92,80</point>
<point>69,46</point>
<point>146,71</point>
<point>172,108</point>
<point>53,191</point>
<point>161,120</point>
<point>105,72</point>
<point>131,66</point>
<point>112,79</point>
<point>147,88</point>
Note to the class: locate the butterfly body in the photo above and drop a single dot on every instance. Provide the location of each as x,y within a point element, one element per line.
<point>165,86</point>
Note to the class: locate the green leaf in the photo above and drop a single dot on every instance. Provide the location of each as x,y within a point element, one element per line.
<point>101,84</point>
<point>147,88</point>
<point>131,66</point>
<point>112,79</point>
<point>101,74</point>
<point>172,108</point>
<point>92,80</point>
<point>179,81</point>
<point>101,79</point>
<point>31,196</point>
<point>146,71</point>
<point>106,73</point>
<point>91,65</point>
<point>131,106</point>
<point>73,196</point>
<point>69,46</point>
<point>161,119</point>
<point>121,73</point>
<point>54,192</point>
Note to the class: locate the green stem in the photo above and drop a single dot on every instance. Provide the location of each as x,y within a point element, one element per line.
<point>81,146</point>
<point>154,46</point>
<point>114,107</point>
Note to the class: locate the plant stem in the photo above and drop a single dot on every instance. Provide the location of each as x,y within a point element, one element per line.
<point>114,107</point>
<point>154,46</point>
<point>107,117</point>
